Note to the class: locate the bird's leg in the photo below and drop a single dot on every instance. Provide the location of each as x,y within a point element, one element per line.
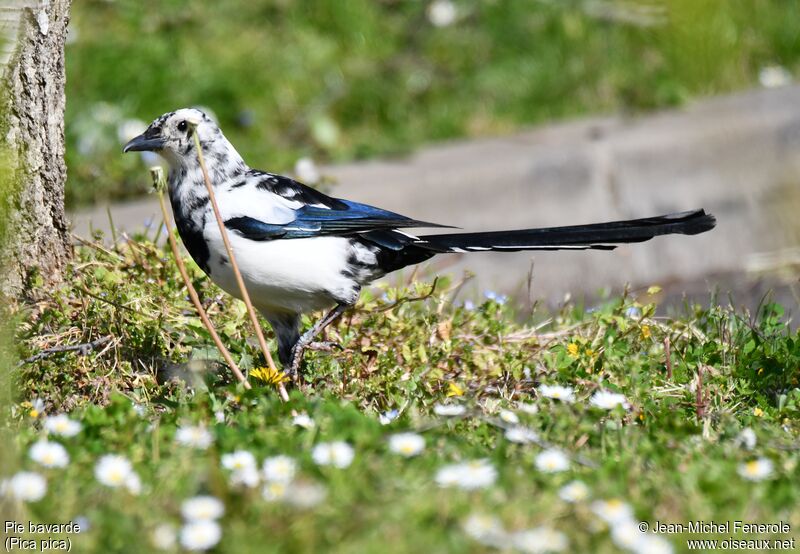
<point>305,339</point>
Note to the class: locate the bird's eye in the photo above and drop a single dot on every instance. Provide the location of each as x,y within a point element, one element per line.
<point>182,126</point>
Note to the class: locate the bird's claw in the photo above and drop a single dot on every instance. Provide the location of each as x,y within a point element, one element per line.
<point>324,346</point>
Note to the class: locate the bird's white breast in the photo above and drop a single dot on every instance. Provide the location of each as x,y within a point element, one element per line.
<point>298,275</point>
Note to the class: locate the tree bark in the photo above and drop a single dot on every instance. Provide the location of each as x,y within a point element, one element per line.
<point>35,236</point>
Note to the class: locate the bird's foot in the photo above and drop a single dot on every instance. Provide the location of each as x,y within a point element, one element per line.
<point>324,346</point>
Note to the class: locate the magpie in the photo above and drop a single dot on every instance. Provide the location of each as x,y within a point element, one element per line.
<point>300,250</point>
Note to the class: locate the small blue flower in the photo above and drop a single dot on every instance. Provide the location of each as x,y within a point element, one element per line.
<point>633,311</point>
<point>469,305</point>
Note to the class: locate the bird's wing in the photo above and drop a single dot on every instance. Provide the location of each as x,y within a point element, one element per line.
<point>275,207</point>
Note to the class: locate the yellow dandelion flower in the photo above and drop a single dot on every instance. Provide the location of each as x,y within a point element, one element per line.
<point>590,352</point>
<point>572,349</point>
<point>454,390</point>
<point>758,412</point>
<point>645,331</point>
<point>269,376</point>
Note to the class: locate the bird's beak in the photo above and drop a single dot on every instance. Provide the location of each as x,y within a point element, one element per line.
<point>144,143</point>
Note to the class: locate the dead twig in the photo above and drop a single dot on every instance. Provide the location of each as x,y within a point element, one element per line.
<point>82,349</point>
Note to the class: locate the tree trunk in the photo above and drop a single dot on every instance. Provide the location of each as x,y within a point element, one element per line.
<point>34,229</point>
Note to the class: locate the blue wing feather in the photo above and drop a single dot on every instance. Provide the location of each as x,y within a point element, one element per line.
<point>313,221</point>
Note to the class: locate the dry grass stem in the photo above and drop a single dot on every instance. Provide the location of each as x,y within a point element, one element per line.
<point>157,179</point>
<point>234,265</point>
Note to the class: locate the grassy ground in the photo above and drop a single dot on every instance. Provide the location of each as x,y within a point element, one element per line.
<point>348,80</point>
<point>675,454</point>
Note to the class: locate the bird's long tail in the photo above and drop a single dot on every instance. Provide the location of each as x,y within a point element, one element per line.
<point>600,236</point>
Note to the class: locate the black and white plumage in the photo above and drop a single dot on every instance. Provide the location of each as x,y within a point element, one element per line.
<point>300,250</point>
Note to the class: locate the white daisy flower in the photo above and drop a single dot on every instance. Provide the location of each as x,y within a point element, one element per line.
<point>521,435</point>
<point>238,460</point>
<point>133,483</point>
<point>200,535</point>
<point>202,508</point>
<point>246,477</point>
<point>539,540</point>
<point>528,408</point>
<point>608,400</point>
<point>49,454</point>
<point>302,420</point>
<point>747,438</point>
<point>306,171</point>
<point>449,410</point>
<point>164,537</point>
<point>219,416</point>
<point>485,529</point>
<point>476,474</point>
<point>774,76</point>
<point>558,392</point>
<point>62,425</point>
<point>626,535</point>
<point>442,13</point>
<point>575,491</point>
<point>612,511</point>
<point>757,470</point>
<point>113,470</point>
<point>27,486</point>
<point>194,436</point>
<point>338,454</point>
<point>283,468</point>
<point>274,490</point>
<point>552,461</point>
<point>305,495</point>
<point>406,444</point>
<point>37,408</point>
<point>509,417</point>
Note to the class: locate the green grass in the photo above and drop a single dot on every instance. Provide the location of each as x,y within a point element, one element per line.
<point>672,458</point>
<point>356,79</point>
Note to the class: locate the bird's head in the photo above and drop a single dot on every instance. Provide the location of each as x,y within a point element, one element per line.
<point>171,136</point>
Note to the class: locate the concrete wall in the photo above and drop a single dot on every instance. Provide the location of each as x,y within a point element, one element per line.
<point>738,157</point>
